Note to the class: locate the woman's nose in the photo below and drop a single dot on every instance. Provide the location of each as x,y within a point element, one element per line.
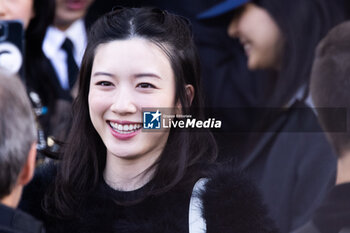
<point>124,102</point>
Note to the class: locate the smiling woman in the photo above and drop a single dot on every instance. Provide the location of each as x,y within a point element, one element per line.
<point>260,36</point>
<point>115,177</point>
<point>281,36</point>
<point>128,75</point>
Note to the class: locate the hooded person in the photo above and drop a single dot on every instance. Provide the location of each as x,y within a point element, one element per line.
<point>287,153</point>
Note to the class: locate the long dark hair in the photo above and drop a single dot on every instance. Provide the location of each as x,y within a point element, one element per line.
<point>85,155</point>
<point>303,25</point>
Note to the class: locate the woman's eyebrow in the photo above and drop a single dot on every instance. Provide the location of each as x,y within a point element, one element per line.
<point>99,73</point>
<point>147,75</point>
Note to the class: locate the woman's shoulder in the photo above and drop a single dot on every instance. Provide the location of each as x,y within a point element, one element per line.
<point>34,192</point>
<point>232,203</point>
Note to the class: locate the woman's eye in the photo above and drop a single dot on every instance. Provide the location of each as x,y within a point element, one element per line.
<point>104,83</point>
<point>145,85</point>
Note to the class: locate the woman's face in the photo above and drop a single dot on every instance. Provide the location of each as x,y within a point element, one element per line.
<point>17,10</point>
<point>259,35</point>
<point>128,75</point>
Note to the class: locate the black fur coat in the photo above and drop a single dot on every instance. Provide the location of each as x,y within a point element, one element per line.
<point>230,204</point>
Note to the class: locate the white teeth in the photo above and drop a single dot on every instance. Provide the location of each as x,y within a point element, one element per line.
<point>124,129</point>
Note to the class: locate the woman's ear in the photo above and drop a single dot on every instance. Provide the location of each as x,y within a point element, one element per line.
<point>190,93</point>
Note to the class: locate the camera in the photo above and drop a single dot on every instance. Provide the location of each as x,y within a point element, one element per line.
<point>12,47</point>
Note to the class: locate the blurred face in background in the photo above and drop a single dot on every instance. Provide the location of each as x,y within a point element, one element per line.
<point>68,11</point>
<point>260,36</point>
<point>17,9</point>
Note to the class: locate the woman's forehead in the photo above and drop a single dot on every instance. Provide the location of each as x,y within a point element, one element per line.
<point>131,56</point>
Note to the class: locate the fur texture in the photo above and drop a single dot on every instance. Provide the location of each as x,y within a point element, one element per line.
<point>232,204</point>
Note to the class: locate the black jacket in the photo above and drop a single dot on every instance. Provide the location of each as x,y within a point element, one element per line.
<point>230,204</point>
<point>15,221</point>
<point>294,166</point>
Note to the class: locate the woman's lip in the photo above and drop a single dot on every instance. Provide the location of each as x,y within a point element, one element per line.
<point>124,122</point>
<point>124,136</point>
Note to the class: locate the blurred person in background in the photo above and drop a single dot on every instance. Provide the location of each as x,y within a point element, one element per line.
<point>329,88</point>
<point>22,10</point>
<point>65,41</point>
<point>36,16</point>
<point>290,159</point>
<point>17,155</point>
<point>63,46</point>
